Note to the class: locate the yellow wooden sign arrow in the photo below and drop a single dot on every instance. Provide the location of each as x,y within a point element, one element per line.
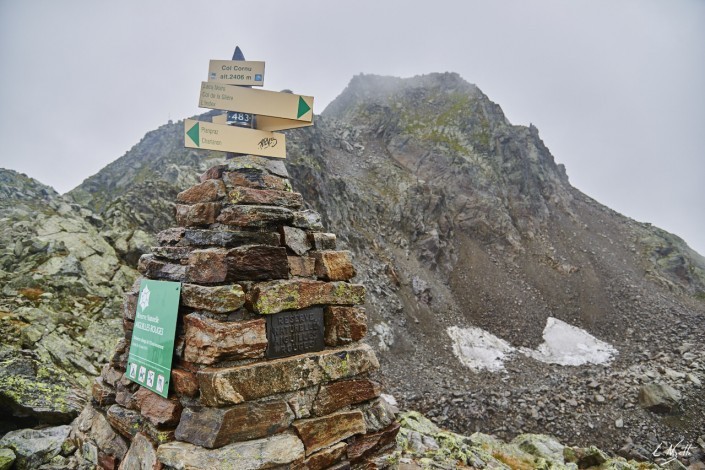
<point>260,102</point>
<point>210,136</point>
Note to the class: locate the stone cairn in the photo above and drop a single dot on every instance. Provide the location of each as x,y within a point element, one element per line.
<point>268,370</point>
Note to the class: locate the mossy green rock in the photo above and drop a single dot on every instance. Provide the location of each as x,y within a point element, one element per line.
<point>415,421</point>
<point>431,447</point>
<point>297,294</point>
<point>7,458</point>
<point>541,446</point>
<point>30,388</point>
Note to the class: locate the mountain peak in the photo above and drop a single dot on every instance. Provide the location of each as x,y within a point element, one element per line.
<point>377,88</point>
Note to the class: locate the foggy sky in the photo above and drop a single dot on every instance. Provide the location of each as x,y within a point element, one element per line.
<point>615,87</point>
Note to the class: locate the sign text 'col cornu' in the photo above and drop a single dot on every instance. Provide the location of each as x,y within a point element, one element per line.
<point>252,114</point>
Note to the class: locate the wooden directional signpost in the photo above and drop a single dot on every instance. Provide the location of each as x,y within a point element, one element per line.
<point>252,114</point>
<point>209,136</point>
<point>248,100</point>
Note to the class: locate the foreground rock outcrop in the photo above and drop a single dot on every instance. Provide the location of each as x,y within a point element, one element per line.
<point>419,445</point>
<point>61,285</point>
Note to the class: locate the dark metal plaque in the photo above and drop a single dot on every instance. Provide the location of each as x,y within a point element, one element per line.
<point>294,332</point>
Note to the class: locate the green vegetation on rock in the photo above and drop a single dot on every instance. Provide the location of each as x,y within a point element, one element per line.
<point>422,442</point>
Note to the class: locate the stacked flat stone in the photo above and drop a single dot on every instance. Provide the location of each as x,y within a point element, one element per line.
<point>245,249</point>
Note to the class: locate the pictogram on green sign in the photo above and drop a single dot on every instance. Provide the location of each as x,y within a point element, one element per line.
<point>152,346</point>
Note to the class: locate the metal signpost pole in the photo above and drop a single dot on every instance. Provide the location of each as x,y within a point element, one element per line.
<point>234,118</point>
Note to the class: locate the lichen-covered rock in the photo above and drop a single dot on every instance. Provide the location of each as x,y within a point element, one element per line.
<point>660,398</point>
<point>422,441</point>
<point>318,433</point>
<point>585,457</point>
<point>336,395</point>
<point>216,427</point>
<point>297,294</point>
<point>344,325</point>
<point>256,178</point>
<point>255,216</point>
<point>7,458</point>
<point>540,445</point>
<point>126,422</point>
<point>153,268</point>
<point>307,219</point>
<point>257,263</point>
<point>30,388</point>
<point>265,197</point>
<point>60,285</point>
<point>158,410</point>
<point>142,455</point>
<point>34,448</point>
<point>216,238</point>
<point>197,215</point>
<point>207,341</point>
<point>216,299</point>
<point>222,386</point>
<point>324,458</point>
<point>208,191</point>
<point>270,452</point>
<point>334,265</point>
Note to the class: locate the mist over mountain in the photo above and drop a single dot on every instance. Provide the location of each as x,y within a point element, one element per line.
<point>462,227</point>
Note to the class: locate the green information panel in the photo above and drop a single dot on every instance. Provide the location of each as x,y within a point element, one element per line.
<point>152,346</point>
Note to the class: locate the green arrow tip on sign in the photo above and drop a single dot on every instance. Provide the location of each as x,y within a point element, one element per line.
<point>303,107</point>
<point>193,133</point>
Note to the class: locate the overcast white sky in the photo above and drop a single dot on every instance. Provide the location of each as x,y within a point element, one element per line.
<point>615,87</point>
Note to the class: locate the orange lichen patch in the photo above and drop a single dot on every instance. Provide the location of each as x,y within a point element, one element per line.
<point>31,293</point>
<point>512,462</point>
<point>11,328</point>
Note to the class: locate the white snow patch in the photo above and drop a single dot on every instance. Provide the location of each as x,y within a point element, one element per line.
<point>569,345</point>
<point>478,349</point>
<point>564,344</point>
